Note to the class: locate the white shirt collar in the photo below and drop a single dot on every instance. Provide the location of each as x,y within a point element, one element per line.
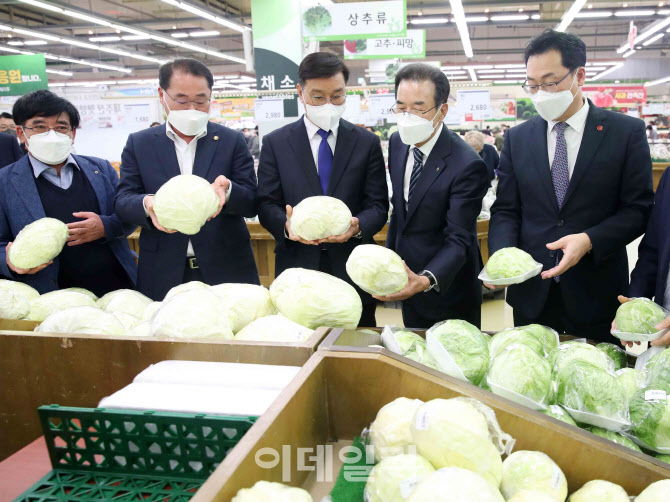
<point>313,130</point>
<point>428,147</point>
<point>577,121</point>
<point>174,137</point>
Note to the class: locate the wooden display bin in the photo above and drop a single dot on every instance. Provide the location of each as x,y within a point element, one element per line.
<point>17,325</point>
<point>336,395</point>
<point>79,370</point>
<point>658,168</point>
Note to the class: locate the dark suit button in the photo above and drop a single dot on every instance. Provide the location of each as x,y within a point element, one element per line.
<point>552,254</point>
<point>561,223</point>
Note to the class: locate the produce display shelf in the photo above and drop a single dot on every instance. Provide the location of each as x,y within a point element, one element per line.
<point>17,325</point>
<point>337,395</point>
<point>99,454</point>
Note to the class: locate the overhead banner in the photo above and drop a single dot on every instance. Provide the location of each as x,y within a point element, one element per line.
<point>412,45</point>
<point>359,20</point>
<point>22,74</point>
<point>612,97</point>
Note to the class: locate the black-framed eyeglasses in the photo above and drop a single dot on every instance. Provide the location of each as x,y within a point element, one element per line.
<point>186,102</point>
<point>337,100</point>
<point>548,86</point>
<point>419,113</point>
<point>41,129</point>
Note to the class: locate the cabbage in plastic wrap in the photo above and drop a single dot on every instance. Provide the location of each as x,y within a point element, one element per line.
<point>390,432</point>
<point>559,413</point>
<point>631,381</point>
<point>658,369</point>
<point>639,315</point>
<point>616,354</point>
<point>509,262</point>
<point>394,478</point>
<point>614,437</point>
<point>533,470</point>
<point>515,336</point>
<point>599,490</point>
<point>579,350</point>
<point>521,370</point>
<point>650,415</point>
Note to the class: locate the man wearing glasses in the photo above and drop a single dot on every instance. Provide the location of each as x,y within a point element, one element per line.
<point>52,182</point>
<point>439,182</point>
<point>189,144</point>
<point>322,154</point>
<point>575,188</point>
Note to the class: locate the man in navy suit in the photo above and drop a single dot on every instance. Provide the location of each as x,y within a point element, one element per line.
<point>79,191</point>
<point>439,182</point>
<point>10,151</point>
<point>189,144</point>
<point>575,187</point>
<point>322,154</point>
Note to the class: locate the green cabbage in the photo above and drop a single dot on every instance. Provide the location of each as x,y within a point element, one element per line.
<point>466,345</point>
<point>582,351</point>
<point>532,470</point>
<point>655,492</point>
<point>600,491</point>
<point>420,354</point>
<point>548,336</point>
<point>559,413</point>
<point>245,302</point>
<point>614,437</point>
<point>662,458</point>
<point>38,243</point>
<point>515,336</point>
<point>631,381</point>
<point>150,310</point>
<point>141,330</point>
<point>27,291</point>
<point>658,369</point>
<point>265,491</point>
<point>390,432</point>
<point>521,370</point>
<point>48,303</point>
<point>84,291</point>
<point>454,484</point>
<point>128,321</point>
<point>615,353</point>
<point>13,304</point>
<point>405,339</point>
<point>274,328</point>
<point>394,478</point>
<point>639,315</point>
<point>320,217</point>
<point>187,286</point>
<point>651,417</point>
<point>509,262</point>
<point>532,496</point>
<point>127,301</point>
<point>376,269</point>
<point>185,203</point>
<point>314,299</point>
<point>82,320</point>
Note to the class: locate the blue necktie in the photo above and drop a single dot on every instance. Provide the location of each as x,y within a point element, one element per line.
<point>560,174</point>
<point>325,160</point>
<point>416,172</point>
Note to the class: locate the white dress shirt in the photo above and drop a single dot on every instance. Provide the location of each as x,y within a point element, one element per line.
<point>425,150</point>
<point>573,136</point>
<point>315,140</point>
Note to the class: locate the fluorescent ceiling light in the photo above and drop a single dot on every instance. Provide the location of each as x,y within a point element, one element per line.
<point>456,77</point>
<point>207,15</point>
<point>493,77</point>
<point>665,12</point>
<point>473,76</point>
<point>86,17</point>
<point>462,25</point>
<point>652,29</point>
<point>511,66</point>
<point>36,34</point>
<point>135,37</point>
<point>434,20</point>
<point>43,5</point>
<point>479,67</point>
<point>36,42</point>
<point>211,33</point>
<point>629,53</point>
<point>451,67</point>
<point>56,84</point>
<point>179,35</point>
<point>536,17</point>
<point>514,17</point>
<point>570,14</point>
<point>653,39</point>
<point>594,14</point>
<point>657,82</point>
<point>15,43</point>
<point>634,13</point>
<point>508,81</point>
<point>104,39</point>
<point>476,19</point>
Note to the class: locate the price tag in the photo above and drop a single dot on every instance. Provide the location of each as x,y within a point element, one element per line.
<point>475,104</point>
<point>268,109</point>
<point>379,107</point>
<point>655,395</point>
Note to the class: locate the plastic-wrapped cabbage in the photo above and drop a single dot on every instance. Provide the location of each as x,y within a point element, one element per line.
<point>533,470</point>
<point>246,302</point>
<point>592,395</point>
<point>515,336</point>
<point>198,313</point>
<point>420,354</point>
<point>548,336</point>
<point>520,374</point>
<point>38,243</point>
<point>274,328</point>
<point>655,492</point>
<point>631,381</point>
<point>662,458</point>
<point>650,415</point>
<point>658,369</point>
<point>187,286</point>
<point>394,478</point>
<point>315,299</point>
<point>578,350</point>
<point>150,310</point>
<point>48,303</point>
<point>614,437</point>
<point>126,301</point>
<point>616,354</point>
<point>600,491</point>
<point>13,305</point>
<point>82,321</point>
<point>390,432</point>
<point>265,491</point>
<point>185,203</point>
<point>639,315</point>
<point>559,413</point>
<point>453,433</point>
<point>532,496</point>
<point>320,217</point>
<point>509,262</point>
<point>27,291</point>
<point>128,321</point>
<point>141,330</point>
<point>400,340</point>
<point>84,291</point>
<point>453,484</point>
<point>461,350</point>
<point>376,269</point>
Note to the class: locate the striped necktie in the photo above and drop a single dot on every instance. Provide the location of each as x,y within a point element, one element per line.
<point>416,172</point>
<point>560,173</point>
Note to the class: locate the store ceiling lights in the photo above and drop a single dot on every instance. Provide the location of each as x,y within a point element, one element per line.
<point>570,14</point>
<point>653,39</point>
<point>657,82</point>
<point>513,17</point>
<point>59,72</point>
<point>430,20</point>
<point>594,14</point>
<point>634,13</point>
<point>646,33</point>
<point>462,25</point>
<point>208,15</point>
<point>83,62</point>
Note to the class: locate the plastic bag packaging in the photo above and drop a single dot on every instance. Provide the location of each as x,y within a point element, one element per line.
<point>645,357</point>
<point>390,433</point>
<point>533,470</point>
<point>454,484</point>
<point>320,217</point>
<point>616,353</point>
<point>38,243</point>
<point>636,321</point>
<point>516,265</point>
<point>394,478</point>
<point>579,350</point>
<point>658,369</point>
<point>631,381</point>
<point>650,416</point>
<point>184,203</point>
<point>503,442</point>
<point>400,340</point>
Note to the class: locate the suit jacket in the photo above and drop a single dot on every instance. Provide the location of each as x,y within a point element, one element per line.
<point>20,205</point>
<point>651,270</point>
<point>10,151</point>
<point>489,154</point>
<point>609,197</point>
<point>438,231</point>
<point>287,174</point>
<point>223,245</point>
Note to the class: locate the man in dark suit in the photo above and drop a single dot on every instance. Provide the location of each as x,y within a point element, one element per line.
<point>10,151</point>
<point>575,187</point>
<point>189,144</point>
<point>321,154</point>
<point>438,185</point>
<point>79,191</point>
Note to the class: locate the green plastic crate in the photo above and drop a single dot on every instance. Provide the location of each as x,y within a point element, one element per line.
<point>100,454</point>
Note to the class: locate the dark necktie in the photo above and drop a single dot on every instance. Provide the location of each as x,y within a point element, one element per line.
<point>560,173</point>
<point>416,172</point>
<point>325,160</point>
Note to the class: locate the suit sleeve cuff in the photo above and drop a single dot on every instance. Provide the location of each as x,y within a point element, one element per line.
<point>146,211</point>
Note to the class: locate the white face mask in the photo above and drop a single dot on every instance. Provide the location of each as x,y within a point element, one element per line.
<point>50,147</point>
<point>551,105</point>
<point>326,116</point>
<point>189,122</point>
<point>414,129</point>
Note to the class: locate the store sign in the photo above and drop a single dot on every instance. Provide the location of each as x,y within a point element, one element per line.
<point>268,109</point>
<point>610,97</point>
<point>379,107</point>
<point>413,45</point>
<point>22,74</point>
<point>656,109</point>
<point>343,21</point>
<point>475,105</point>
<point>503,109</point>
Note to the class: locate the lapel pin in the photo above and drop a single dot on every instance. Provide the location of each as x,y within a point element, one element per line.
<point>215,138</point>
<point>600,128</point>
<point>96,172</point>
<point>437,168</point>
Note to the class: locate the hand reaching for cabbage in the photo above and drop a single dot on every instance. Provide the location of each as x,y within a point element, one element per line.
<point>415,284</point>
<point>24,271</point>
<point>664,324</point>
